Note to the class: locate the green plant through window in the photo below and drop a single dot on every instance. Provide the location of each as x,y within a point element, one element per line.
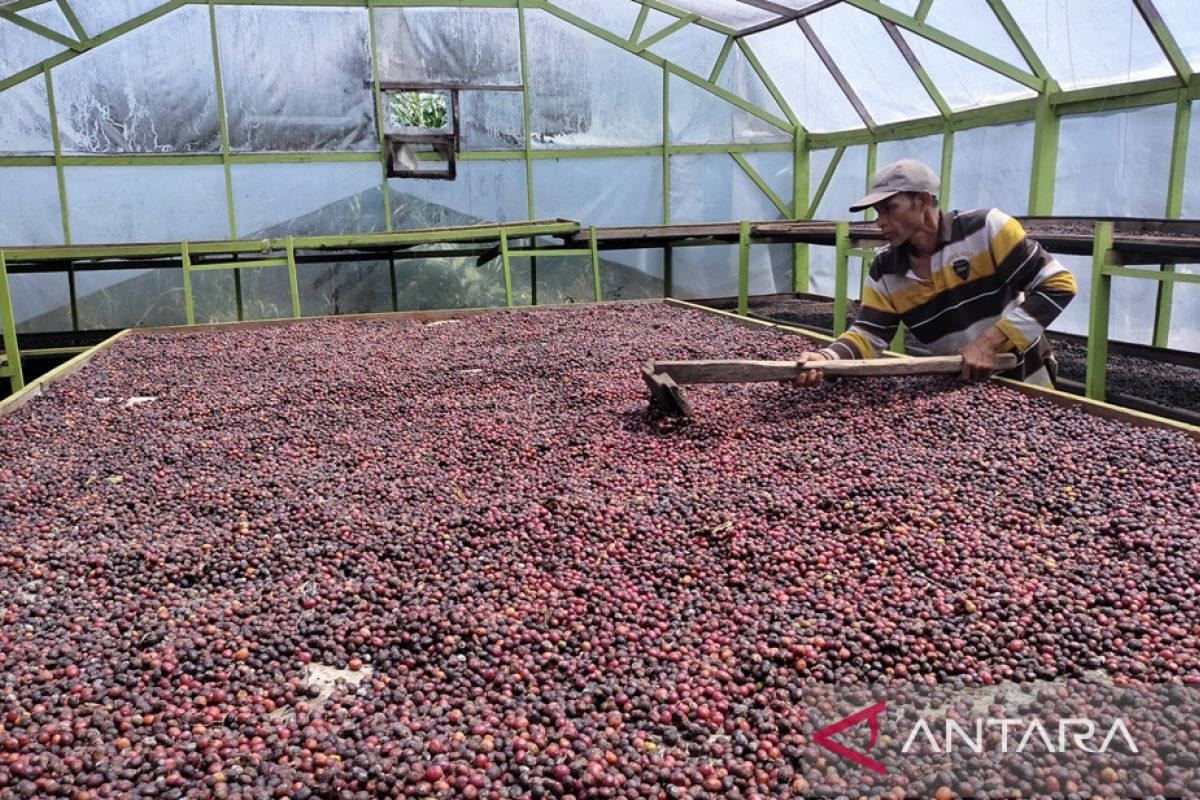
<point>418,110</point>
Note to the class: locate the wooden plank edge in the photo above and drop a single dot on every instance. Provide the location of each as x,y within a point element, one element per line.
<point>1097,408</point>
<point>64,370</point>
<point>1064,399</point>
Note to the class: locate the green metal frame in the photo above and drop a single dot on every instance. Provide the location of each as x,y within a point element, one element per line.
<point>1097,351</point>
<point>11,368</point>
<point>1179,147</point>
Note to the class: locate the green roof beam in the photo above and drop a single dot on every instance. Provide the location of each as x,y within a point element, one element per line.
<point>951,43</point>
<point>691,77</point>
<point>682,22</point>
<point>1166,41</point>
<point>922,10</point>
<point>41,30</point>
<point>639,25</point>
<point>667,8</point>
<point>1019,39</point>
<point>72,20</point>
<point>765,77</point>
<point>765,187</point>
<point>918,69</point>
<point>721,59</point>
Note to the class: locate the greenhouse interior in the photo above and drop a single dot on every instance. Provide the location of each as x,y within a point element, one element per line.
<point>596,398</point>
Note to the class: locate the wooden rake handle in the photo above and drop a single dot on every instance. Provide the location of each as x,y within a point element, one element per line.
<point>743,371</point>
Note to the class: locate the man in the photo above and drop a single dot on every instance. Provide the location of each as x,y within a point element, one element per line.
<point>966,282</point>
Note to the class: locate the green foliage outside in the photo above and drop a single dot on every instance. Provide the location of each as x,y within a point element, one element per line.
<point>417,110</point>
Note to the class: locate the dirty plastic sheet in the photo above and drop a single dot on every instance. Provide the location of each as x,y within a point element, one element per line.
<point>448,45</point>
<point>26,114</point>
<point>1091,42</point>
<point>116,205</point>
<point>614,17</point>
<point>1114,164</point>
<point>21,48</point>
<point>714,188</point>
<point>809,88</point>
<point>41,301</point>
<point>98,16</point>
<point>129,298</point>
<point>352,287</point>
<point>741,78</point>
<point>712,271</point>
<point>297,78</point>
<point>492,120</point>
<point>991,168</point>
<point>872,64</point>
<point>604,192</point>
<point>848,184</point>
<point>1180,16</point>
<point>961,82</point>
<point>692,47</point>
<point>143,92</point>
<point>697,116</point>
<point>484,191</point>
<point>30,212</point>
<point>735,15</point>
<point>585,92</point>
<point>276,200</point>
<point>926,149</point>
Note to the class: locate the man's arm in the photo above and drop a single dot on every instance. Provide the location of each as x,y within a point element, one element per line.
<point>867,337</point>
<point>1048,287</point>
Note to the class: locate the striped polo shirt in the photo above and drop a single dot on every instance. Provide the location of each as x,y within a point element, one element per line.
<point>985,272</point>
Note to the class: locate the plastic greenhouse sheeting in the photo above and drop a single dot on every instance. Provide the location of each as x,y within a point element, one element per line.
<point>926,149</point>
<point>41,301</point>
<point>26,112</point>
<point>98,16</point>
<point>448,45</point>
<point>992,167</point>
<point>146,203</point>
<point>29,209</point>
<point>297,79</point>
<point>21,48</point>
<point>872,64</point>
<point>600,191</point>
<point>1091,42</point>
<point>485,191</point>
<point>143,93</point>
<point>694,48</point>
<point>584,92</point>
<point>1115,164</point>
<point>274,200</point>
<point>810,90</point>
<point>697,116</point>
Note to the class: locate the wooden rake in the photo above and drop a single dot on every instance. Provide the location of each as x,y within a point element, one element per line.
<point>664,378</point>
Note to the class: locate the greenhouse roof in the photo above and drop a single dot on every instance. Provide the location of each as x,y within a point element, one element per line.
<point>820,65</point>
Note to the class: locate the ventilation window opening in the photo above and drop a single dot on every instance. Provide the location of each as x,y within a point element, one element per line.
<point>421,131</point>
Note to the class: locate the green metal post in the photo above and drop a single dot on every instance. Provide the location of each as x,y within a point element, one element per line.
<point>504,263</point>
<point>869,214</point>
<point>11,351</point>
<point>293,280</point>
<point>73,296</point>
<point>1166,289</point>
<point>1097,342</point>
<point>380,126</point>
<point>841,278</point>
<point>526,108</point>
<point>1045,158</point>
<point>224,122</point>
<point>668,271</point>
<point>800,182</point>
<point>947,169</point>
<point>188,306</point>
<point>594,251</point>
<point>58,158</point>
<point>395,293</point>
<point>743,305</point>
<point>668,254</point>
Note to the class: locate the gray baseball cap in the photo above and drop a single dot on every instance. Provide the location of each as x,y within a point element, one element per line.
<point>906,175</point>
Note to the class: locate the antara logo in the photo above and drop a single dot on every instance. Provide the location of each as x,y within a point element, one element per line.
<point>824,737</point>
<point>1072,733</point>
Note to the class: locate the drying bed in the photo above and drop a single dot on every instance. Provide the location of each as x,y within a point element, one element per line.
<point>461,559</point>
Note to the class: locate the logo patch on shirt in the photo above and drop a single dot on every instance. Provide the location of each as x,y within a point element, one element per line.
<point>962,268</point>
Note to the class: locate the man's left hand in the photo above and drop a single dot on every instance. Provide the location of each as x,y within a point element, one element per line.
<point>979,357</point>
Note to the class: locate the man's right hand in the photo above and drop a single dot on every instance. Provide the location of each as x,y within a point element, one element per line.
<point>810,377</point>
